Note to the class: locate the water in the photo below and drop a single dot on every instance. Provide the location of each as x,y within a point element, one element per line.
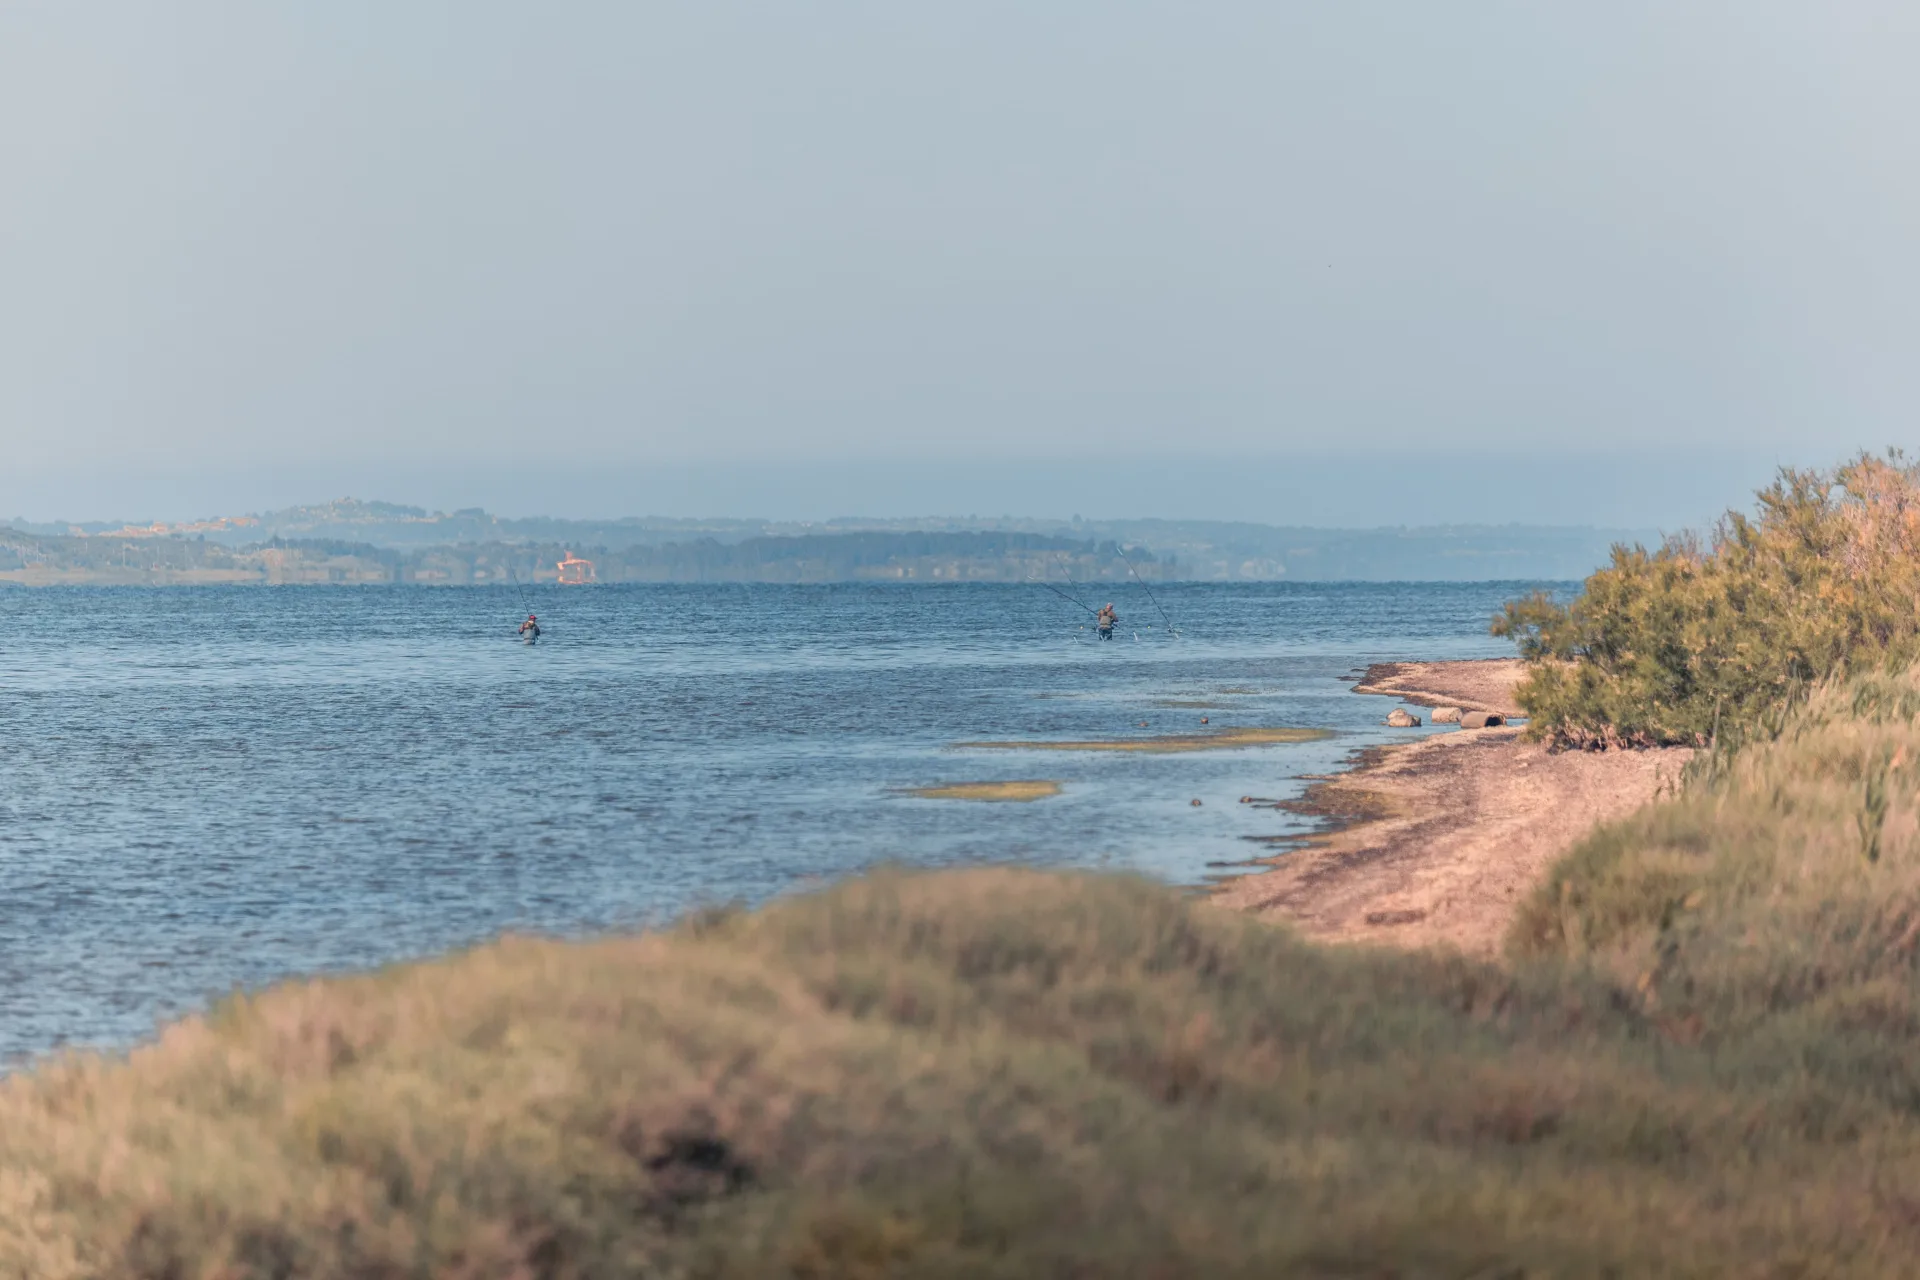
<point>213,788</point>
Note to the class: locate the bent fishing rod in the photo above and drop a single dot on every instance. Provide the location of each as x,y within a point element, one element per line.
<point>1066,571</point>
<point>517,587</point>
<point>1171,630</point>
<point>1042,582</point>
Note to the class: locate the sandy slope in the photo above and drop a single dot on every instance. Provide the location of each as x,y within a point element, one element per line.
<point>1483,685</point>
<point>1444,835</point>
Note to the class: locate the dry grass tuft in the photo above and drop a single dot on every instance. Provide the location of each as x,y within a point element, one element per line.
<point>1784,883</point>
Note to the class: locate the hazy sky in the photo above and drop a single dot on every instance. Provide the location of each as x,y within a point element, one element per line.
<point>602,258</point>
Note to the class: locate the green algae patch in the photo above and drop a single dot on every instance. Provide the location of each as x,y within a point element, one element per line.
<point>1226,739</point>
<point>1015,792</point>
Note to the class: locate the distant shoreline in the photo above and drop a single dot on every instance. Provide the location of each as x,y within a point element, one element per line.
<point>353,541</point>
<point>31,580</point>
<point>1436,841</point>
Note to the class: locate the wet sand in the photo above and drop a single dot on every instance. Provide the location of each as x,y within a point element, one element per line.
<point>1435,842</point>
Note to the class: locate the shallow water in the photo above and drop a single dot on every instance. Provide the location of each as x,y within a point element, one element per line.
<point>212,788</point>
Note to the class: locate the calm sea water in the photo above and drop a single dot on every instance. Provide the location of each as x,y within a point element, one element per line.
<point>207,789</point>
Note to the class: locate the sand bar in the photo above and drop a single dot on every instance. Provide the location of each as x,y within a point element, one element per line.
<point>1223,740</point>
<point>1019,792</point>
<point>1435,842</point>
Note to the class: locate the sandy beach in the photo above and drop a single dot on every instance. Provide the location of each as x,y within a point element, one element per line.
<point>1434,842</point>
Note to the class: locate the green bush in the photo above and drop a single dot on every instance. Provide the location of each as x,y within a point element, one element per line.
<point>1691,644</point>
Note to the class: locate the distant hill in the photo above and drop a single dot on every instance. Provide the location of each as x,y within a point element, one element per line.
<point>403,543</point>
<point>118,559</point>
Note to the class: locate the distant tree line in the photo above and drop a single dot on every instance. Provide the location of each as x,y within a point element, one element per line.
<point>847,557</point>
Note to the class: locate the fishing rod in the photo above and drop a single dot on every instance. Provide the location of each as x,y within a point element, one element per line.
<point>1065,595</point>
<point>1144,587</point>
<point>1066,571</point>
<point>517,587</point>
<point>525,599</point>
<point>1042,582</point>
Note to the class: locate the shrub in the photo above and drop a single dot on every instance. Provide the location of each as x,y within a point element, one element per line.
<point>1691,644</point>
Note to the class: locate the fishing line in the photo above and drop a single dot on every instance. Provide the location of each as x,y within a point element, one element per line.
<point>1067,572</point>
<point>517,587</point>
<point>1041,582</point>
<point>525,599</point>
<point>1144,587</point>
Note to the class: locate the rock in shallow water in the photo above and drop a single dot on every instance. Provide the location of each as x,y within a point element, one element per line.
<point>1401,718</point>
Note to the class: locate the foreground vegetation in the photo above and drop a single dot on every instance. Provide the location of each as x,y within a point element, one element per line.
<point>1694,642</point>
<point>1702,1059</point>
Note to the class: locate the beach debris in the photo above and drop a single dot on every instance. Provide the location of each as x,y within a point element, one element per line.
<point>1401,718</point>
<point>1482,720</point>
<point>1446,715</point>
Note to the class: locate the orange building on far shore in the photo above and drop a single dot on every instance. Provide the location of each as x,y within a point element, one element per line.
<point>575,572</point>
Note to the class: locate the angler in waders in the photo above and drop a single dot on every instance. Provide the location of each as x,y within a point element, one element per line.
<point>1105,621</point>
<point>530,629</point>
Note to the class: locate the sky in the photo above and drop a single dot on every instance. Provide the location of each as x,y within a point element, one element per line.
<point>1354,264</point>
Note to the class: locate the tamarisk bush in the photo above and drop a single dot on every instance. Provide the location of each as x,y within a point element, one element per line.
<point>1715,640</point>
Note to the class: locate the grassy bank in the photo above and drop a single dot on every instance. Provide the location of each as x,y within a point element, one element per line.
<point>1781,888</point>
<point>1702,1062</point>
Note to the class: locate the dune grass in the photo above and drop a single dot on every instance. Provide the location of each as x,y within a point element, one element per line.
<point>1703,1058</point>
<point>1782,886</point>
